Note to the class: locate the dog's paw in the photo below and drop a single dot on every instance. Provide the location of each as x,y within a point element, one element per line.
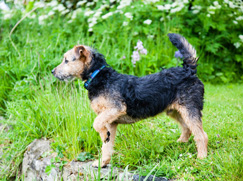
<point>96,164</point>
<point>108,137</point>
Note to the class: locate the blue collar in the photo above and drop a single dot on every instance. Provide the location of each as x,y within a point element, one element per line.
<point>86,84</point>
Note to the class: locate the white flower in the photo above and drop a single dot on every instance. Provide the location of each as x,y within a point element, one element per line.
<point>107,15</point>
<point>51,13</point>
<point>180,155</point>
<point>65,11</point>
<point>119,11</point>
<point>177,9</point>
<point>150,36</point>
<point>97,14</point>
<point>216,4</point>
<point>150,1</point>
<point>235,22</point>
<point>80,3</point>
<point>69,4</point>
<point>241,37</point>
<point>124,3</point>
<point>161,19</point>
<point>42,18</point>
<point>40,4</point>
<point>129,15</point>
<point>90,29</point>
<point>88,13</point>
<point>237,44</point>
<point>89,4</point>
<point>196,9</point>
<point>208,15</point>
<point>211,9</point>
<point>52,3</point>
<point>148,22</point>
<point>124,23</point>
<point>4,6</point>
<point>239,18</point>
<point>135,33</point>
<point>8,14</point>
<point>75,12</point>
<point>59,8</point>
<point>231,5</point>
<point>165,7</point>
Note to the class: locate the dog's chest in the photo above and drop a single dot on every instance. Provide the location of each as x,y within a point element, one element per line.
<point>105,103</point>
<point>100,104</point>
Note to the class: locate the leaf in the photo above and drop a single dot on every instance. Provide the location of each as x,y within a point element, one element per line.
<point>161,149</point>
<point>84,156</point>
<point>49,168</point>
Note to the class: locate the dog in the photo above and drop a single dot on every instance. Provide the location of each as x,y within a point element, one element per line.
<point>124,99</point>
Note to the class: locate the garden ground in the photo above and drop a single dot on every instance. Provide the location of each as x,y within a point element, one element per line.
<point>62,114</point>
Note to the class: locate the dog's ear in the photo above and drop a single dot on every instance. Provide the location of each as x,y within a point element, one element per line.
<point>81,51</point>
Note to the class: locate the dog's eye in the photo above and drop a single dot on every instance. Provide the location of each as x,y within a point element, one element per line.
<point>66,61</point>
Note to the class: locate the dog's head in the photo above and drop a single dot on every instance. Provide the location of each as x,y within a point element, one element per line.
<point>73,64</point>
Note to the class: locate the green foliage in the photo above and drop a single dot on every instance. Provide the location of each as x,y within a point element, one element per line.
<point>84,156</point>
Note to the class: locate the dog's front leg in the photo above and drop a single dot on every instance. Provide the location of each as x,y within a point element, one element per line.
<point>103,121</point>
<point>105,126</point>
<point>107,147</point>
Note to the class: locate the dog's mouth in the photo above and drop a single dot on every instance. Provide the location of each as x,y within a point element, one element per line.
<point>65,78</point>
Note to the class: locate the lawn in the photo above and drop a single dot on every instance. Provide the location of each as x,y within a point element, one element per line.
<point>61,112</point>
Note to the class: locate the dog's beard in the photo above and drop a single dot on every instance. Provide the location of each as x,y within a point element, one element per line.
<point>66,78</point>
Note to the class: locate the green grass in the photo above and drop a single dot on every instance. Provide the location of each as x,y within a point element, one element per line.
<point>36,105</point>
<point>61,112</point>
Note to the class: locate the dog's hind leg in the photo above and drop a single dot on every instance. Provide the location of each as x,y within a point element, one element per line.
<point>193,120</point>
<point>186,133</point>
<point>107,147</point>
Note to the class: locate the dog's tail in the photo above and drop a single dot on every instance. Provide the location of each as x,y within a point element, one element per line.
<point>186,49</point>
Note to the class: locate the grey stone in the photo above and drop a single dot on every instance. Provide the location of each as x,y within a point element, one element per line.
<point>150,178</point>
<point>33,166</point>
<point>39,154</point>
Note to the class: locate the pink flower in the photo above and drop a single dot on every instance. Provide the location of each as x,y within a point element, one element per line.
<point>139,45</point>
<point>144,51</point>
<point>138,49</point>
<point>135,57</point>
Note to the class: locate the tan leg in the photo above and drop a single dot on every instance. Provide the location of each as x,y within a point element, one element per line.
<point>186,133</point>
<point>194,123</point>
<point>107,148</point>
<point>103,122</point>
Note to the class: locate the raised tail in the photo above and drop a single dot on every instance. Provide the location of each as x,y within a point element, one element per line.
<point>186,49</point>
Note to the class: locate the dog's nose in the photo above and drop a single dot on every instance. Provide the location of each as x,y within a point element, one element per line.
<point>53,71</point>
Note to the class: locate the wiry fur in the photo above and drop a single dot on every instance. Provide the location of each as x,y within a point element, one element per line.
<point>120,98</point>
<point>186,49</point>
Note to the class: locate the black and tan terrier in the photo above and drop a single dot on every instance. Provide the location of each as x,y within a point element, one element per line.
<point>124,99</point>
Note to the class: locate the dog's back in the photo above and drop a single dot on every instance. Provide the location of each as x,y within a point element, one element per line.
<point>149,95</point>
